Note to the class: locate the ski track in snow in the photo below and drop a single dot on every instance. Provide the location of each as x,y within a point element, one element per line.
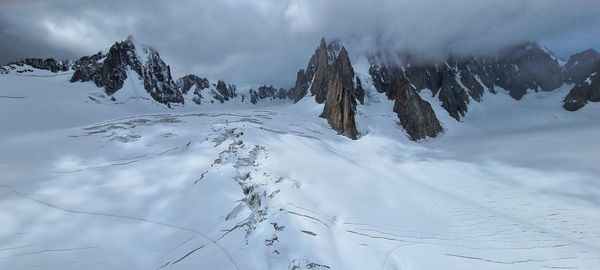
<point>136,187</point>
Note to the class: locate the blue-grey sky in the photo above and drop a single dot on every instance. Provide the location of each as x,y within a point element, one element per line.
<point>267,41</point>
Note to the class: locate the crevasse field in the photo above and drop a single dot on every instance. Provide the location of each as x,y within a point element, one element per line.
<point>87,183</point>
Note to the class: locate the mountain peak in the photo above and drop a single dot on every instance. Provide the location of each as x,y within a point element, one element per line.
<point>110,71</point>
<point>343,53</point>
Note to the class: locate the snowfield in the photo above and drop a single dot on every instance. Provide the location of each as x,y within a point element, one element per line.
<point>88,183</point>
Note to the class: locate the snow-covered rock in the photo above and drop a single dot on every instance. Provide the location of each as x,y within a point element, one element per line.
<point>110,71</point>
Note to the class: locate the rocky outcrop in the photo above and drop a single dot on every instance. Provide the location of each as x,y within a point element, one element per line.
<point>319,72</point>
<point>584,92</point>
<point>158,81</point>
<point>583,70</point>
<point>268,92</point>
<point>45,64</point>
<point>359,91</point>
<point>186,83</point>
<point>323,72</point>
<point>300,89</point>
<point>223,92</point>
<point>340,101</point>
<point>581,65</point>
<point>452,94</point>
<point>111,70</point>
<point>526,67</point>
<point>457,81</point>
<point>108,71</point>
<point>331,80</point>
<point>445,80</point>
<point>89,68</point>
<point>415,114</point>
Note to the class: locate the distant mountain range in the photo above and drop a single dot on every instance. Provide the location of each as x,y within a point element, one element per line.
<point>456,82</point>
<point>330,79</point>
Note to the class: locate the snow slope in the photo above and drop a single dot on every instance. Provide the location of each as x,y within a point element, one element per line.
<point>88,183</point>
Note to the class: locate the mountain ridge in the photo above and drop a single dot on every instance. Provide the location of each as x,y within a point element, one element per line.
<point>331,79</point>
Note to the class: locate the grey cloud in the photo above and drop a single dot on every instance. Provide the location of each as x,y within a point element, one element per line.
<point>266,41</point>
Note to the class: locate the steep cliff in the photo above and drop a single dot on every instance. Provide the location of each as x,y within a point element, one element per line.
<point>340,101</point>
<point>415,114</point>
<point>110,71</point>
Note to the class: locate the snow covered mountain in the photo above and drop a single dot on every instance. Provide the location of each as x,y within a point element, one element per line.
<point>330,77</point>
<point>456,82</point>
<point>111,69</point>
<point>128,168</point>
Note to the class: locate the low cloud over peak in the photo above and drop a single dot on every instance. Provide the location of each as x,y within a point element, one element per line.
<point>266,41</point>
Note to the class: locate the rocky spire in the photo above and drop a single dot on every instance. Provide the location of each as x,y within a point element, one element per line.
<point>323,73</point>
<point>331,80</point>
<point>340,102</point>
<point>317,75</point>
<point>317,67</point>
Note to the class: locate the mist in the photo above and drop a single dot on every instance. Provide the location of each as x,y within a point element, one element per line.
<point>251,42</point>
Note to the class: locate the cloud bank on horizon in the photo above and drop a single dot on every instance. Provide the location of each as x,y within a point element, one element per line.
<point>266,41</point>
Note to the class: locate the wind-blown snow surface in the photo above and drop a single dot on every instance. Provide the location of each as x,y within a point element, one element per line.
<point>88,183</point>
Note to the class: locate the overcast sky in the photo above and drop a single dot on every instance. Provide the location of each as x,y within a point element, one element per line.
<point>267,41</point>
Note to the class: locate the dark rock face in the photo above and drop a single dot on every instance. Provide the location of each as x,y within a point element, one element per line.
<point>108,71</point>
<point>583,70</point>
<point>223,92</point>
<point>359,91</point>
<point>318,73</point>
<point>471,71</point>
<point>186,83</point>
<point>158,81</point>
<point>581,65</point>
<point>331,80</point>
<point>45,64</point>
<point>268,92</point>
<point>89,68</point>
<point>453,96</point>
<point>526,67</point>
<point>301,87</point>
<point>588,90</point>
<point>340,102</point>
<point>415,114</point>
<point>322,73</point>
<point>111,70</point>
<point>458,80</point>
<point>445,80</point>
